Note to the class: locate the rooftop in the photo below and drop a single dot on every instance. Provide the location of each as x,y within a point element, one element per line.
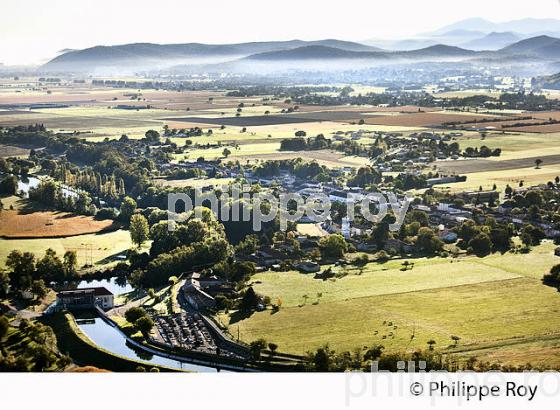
<point>97,291</point>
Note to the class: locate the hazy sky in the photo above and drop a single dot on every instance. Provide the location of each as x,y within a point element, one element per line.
<point>34,30</point>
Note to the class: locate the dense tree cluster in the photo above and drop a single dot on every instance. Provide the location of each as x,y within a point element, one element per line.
<point>482,239</point>
<point>195,243</point>
<point>26,272</point>
<point>36,348</point>
<point>52,195</point>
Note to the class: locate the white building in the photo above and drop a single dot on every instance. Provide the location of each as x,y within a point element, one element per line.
<point>85,298</point>
<point>345,228</point>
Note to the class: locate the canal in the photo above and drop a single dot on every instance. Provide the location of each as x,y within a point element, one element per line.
<point>114,285</point>
<point>111,339</point>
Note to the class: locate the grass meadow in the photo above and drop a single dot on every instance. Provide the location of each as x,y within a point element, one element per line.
<point>495,304</point>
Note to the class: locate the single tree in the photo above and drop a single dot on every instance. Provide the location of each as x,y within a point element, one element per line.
<point>134,313</point>
<point>256,347</point>
<point>128,207</point>
<point>431,344</point>
<point>139,229</point>
<point>4,326</point>
<point>70,262</point>
<point>39,289</point>
<point>272,347</point>
<point>144,325</point>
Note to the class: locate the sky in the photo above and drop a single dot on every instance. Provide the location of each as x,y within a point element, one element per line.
<point>33,31</point>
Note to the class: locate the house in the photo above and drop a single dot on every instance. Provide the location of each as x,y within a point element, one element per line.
<point>366,247</point>
<point>479,196</point>
<point>195,296</point>
<point>267,257</point>
<point>308,267</point>
<point>447,236</point>
<point>422,208</point>
<point>345,196</point>
<point>85,298</point>
<point>397,246</point>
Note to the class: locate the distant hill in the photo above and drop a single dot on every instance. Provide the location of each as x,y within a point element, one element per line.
<point>470,34</point>
<point>141,54</point>
<point>527,25</point>
<point>401,45</point>
<point>330,53</point>
<point>312,53</point>
<point>461,33</point>
<point>439,50</point>
<point>493,41</point>
<point>146,56</point>
<point>550,82</point>
<point>450,38</point>
<point>540,47</point>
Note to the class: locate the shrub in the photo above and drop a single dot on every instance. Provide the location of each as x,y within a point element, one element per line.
<point>135,313</point>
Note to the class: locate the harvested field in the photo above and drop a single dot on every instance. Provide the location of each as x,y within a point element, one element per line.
<point>545,115</point>
<point>543,128</point>
<point>343,116</point>
<point>425,119</point>
<point>14,112</point>
<point>10,151</point>
<point>193,182</point>
<point>182,124</point>
<point>361,108</point>
<point>486,180</point>
<point>75,123</point>
<point>327,115</point>
<point>333,159</point>
<point>483,165</point>
<point>250,121</point>
<point>46,224</point>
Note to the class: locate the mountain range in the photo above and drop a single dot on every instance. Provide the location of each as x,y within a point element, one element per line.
<point>471,34</point>
<point>475,34</point>
<point>142,54</point>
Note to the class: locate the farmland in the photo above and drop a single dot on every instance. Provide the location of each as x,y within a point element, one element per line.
<point>516,162</point>
<point>24,219</point>
<point>48,224</point>
<point>475,299</point>
<point>90,248</point>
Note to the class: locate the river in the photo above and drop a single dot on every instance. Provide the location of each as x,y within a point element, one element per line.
<point>26,183</point>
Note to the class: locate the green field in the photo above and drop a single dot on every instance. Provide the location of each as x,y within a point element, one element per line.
<point>91,247</point>
<point>491,303</point>
<point>514,145</point>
